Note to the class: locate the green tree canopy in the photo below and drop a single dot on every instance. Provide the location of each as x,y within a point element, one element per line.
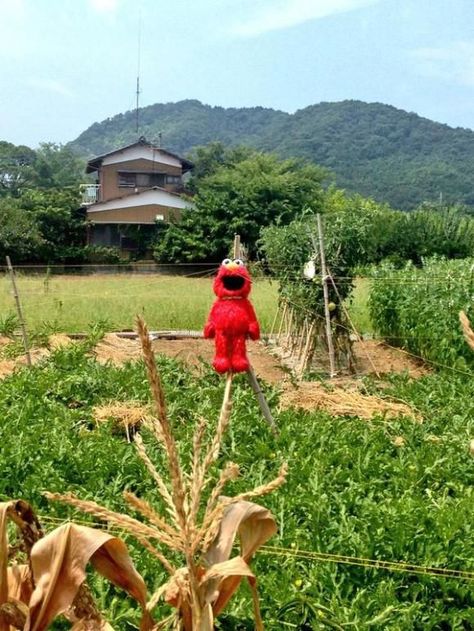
<point>16,167</point>
<point>241,197</point>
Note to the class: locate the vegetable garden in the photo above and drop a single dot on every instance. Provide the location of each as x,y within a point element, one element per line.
<point>374,519</point>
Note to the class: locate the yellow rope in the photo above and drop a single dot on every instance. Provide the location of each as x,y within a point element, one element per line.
<point>394,566</point>
<point>324,557</point>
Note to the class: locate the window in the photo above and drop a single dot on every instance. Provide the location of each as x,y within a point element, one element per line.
<point>159,218</point>
<point>173,179</point>
<point>141,180</point>
<point>127,180</point>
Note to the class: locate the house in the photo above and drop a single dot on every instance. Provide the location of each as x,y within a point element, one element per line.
<point>137,186</point>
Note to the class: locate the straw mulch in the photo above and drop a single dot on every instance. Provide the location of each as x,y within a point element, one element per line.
<point>342,402</point>
<point>127,415</point>
<point>117,350</point>
<point>59,340</point>
<point>8,366</point>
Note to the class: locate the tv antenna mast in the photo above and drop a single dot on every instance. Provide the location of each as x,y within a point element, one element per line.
<point>137,108</point>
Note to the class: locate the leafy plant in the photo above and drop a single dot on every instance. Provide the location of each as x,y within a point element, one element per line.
<point>9,324</point>
<point>418,309</point>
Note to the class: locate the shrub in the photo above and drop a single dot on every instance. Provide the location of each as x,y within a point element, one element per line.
<point>417,308</point>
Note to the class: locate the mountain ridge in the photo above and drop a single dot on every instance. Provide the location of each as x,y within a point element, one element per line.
<point>374,149</point>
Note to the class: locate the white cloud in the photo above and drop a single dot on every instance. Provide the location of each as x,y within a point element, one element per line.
<point>453,63</point>
<point>50,85</point>
<point>282,14</point>
<point>103,6</point>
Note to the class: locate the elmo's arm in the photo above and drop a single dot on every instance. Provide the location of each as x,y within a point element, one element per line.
<point>210,329</point>
<point>254,328</point>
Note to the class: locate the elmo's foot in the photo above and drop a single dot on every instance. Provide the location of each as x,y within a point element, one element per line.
<point>221,364</point>
<point>240,364</point>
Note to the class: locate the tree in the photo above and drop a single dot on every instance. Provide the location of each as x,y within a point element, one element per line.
<point>57,166</point>
<point>19,235</point>
<point>16,168</point>
<point>60,221</point>
<point>241,197</point>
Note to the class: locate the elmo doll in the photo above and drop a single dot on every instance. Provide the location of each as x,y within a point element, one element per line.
<point>232,318</point>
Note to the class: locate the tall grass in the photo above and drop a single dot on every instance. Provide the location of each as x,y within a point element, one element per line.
<point>73,303</point>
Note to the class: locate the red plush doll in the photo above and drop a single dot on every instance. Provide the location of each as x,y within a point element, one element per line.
<point>232,318</point>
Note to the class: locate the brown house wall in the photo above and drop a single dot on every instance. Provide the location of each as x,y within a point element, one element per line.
<point>108,178</point>
<point>135,214</point>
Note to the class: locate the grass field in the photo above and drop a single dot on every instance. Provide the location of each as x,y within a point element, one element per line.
<point>74,303</point>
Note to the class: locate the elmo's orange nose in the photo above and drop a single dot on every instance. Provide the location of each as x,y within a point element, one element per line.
<point>232,266</point>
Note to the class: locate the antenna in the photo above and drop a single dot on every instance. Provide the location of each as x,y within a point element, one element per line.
<point>137,116</point>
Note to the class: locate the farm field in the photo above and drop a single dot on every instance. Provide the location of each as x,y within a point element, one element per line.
<point>387,489</point>
<point>72,303</point>
<point>391,488</point>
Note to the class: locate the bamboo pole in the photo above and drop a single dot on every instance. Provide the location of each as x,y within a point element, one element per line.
<point>346,313</point>
<point>304,359</point>
<point>262,402</point>
<point>251,376</point>
<point>275,320</point>
<point>282,321</point>
<point>237,246</point>
<point>324,280</point>
<point>304,331</point>
<point>19,310</point>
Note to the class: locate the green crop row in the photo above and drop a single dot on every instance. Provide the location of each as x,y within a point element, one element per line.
<point>350,489</point>
<point>418,308</point>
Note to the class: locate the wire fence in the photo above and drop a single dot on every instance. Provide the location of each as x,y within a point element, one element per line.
<point>294,552</point>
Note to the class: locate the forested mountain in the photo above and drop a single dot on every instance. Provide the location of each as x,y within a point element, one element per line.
<point>373,149</point>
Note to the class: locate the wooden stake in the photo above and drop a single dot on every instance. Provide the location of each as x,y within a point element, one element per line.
<point>236,246</point>
<point>324,280</point>
<point>24,334</point>
<point>288,331</point>
<point>346,313</point>
<point>304,330</point>
<point>275,320</point>
<point>282,321</point>
<point>267,415</point>
<point>304,359</point>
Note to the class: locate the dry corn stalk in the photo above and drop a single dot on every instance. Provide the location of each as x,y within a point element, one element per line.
<point>203,532</point>
<point>52,582</point>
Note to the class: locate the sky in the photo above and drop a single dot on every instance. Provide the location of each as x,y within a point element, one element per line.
<point>65,64</point>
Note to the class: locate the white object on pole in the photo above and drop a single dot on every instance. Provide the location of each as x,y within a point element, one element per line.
<point>309,270</point>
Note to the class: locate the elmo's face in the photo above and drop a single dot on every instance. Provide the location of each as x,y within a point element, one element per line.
<point>232,280</point>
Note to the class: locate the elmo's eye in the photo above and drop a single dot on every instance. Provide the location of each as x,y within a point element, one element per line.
<point>226,262</point>
<point>238,261</point>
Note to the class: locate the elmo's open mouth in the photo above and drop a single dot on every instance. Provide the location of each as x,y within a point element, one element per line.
<point>233,283</point>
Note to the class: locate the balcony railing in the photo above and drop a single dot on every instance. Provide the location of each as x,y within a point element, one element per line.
<point>90,194</point>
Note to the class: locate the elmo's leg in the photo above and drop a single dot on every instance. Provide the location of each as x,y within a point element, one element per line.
<point>221,361</point>
<point>239,360</point>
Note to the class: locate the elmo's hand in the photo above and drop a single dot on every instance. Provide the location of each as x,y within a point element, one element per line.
<point>209,331</point>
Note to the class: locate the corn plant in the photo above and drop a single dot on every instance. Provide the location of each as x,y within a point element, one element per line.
<point>198,526</point>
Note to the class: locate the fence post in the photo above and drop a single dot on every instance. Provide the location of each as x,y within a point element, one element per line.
<point>324,280</point>
<point>19,311</point>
